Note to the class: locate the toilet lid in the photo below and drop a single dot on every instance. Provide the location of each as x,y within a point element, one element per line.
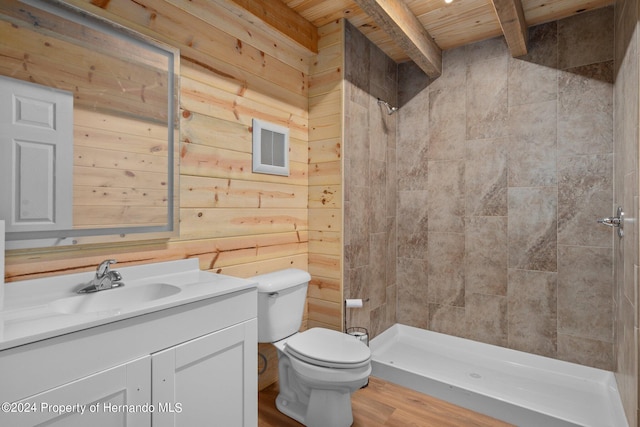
<point>325,347</point>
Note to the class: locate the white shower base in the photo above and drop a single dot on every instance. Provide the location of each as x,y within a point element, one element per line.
<point>513,386</point>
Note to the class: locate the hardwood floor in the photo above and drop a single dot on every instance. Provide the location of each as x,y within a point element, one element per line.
<point>383,404</point>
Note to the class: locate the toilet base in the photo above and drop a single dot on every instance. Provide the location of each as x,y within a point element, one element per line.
<point>317,396</point>
<point>316,413</point>
<point>329,408</point>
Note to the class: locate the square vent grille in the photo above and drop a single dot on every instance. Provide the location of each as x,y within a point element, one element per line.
<point>270,148</point>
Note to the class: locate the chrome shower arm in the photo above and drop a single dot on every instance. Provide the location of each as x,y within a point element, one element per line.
<point>390,109</point>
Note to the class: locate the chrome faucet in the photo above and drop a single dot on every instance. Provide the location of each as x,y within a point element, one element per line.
<point>105,279</point>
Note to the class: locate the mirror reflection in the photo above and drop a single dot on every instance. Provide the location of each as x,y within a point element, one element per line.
<point>114,170</point>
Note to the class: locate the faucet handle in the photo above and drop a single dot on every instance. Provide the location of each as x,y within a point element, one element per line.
<point>103,268</point>
<point>115,276</point>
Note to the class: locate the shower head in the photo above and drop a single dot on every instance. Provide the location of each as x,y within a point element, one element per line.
<point>390,109</point>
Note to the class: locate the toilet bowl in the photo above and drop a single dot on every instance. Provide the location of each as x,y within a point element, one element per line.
<point>315,389</point>
<point>318,369</point>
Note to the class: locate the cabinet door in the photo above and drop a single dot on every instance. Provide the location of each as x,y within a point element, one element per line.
<point>115,397</point>
<point>210,381</point>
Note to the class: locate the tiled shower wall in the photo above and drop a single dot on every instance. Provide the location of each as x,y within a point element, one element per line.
<point>626,98</point>
<point>503,166</point>
<point>370,184</point>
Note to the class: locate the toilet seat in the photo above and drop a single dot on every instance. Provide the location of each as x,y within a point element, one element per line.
<point>328,348</point>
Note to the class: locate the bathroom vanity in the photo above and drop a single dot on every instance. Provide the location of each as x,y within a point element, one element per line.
<point>177,346</point>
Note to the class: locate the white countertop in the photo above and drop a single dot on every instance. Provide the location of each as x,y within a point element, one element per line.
<point>32,307</point>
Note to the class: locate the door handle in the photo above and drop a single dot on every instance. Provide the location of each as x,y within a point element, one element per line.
<point>612,221</point>
<point>615,221</point>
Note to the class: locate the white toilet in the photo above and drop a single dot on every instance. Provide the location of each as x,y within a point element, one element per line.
<point>318,369</point>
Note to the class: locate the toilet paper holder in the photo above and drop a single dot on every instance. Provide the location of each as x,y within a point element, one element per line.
<point>353,303</point>
<point>359,333</point>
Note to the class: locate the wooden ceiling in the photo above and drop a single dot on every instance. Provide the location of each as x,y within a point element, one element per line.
<point>404,29</point>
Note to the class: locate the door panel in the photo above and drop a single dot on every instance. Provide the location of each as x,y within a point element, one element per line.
<point>36,156</point>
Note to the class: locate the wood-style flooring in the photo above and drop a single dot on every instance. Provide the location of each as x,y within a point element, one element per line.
<point>383,404</point>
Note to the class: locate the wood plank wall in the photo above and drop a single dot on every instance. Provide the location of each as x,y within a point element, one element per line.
<point>106,86</point>
<point>236,222</point>
<point>325,179</point>
<point>43,48</point>
<point>232,220</point>
<point>119,171</point>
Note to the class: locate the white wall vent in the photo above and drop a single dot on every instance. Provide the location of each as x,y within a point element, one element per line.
<point>270,148</point>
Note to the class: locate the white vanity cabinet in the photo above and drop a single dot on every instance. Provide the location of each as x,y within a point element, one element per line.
<point>211,380</point>
<point>192,364</point>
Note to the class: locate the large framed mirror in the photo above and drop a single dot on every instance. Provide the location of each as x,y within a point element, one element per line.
<point>88,129</point>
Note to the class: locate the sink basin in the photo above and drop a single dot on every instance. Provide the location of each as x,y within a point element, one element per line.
<point>114,299</point>
<point>48,307</point>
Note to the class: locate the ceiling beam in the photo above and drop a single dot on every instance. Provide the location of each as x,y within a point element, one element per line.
<point>397,20</point>
<point>511,17</point>
<point>284,19</point>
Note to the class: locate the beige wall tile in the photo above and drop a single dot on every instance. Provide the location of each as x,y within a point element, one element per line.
<point>485,177</point>
<point>585,308</point>
<point>370,177</point>
<point>412,224</point>
<point>585,102</point>
<point>533,77</point>
<point>585,193</point>
<point>585,351</point>
<point>413,292</point>
<point>532,228</point>
<point>447,127</point>
<point>532,148</point>
<point>585,38</point>
<point>445,200</point>
<point>444,268</point>
<point>486,318</point>
<point>447,319</point>
<point>486,249</point>
<point>487,101</point>
<point>532,317</point>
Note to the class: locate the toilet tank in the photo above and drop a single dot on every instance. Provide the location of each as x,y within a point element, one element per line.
<point>281,300</point>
